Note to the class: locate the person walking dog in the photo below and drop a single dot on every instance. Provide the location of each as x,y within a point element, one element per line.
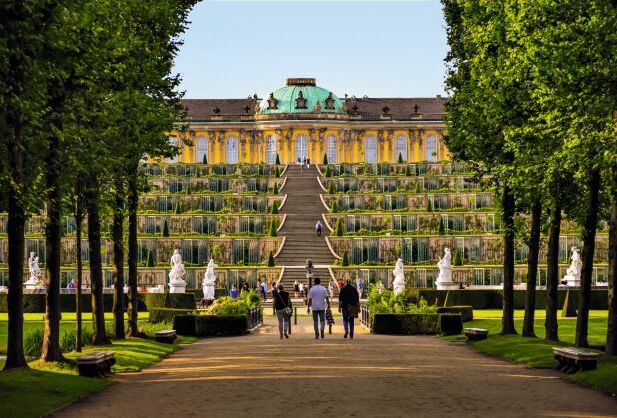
<point>349,306</point>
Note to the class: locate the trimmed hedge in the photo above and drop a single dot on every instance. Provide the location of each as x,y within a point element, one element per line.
<point>157,315</point>
<point>492,298</point>
<point>184,324</point>
<point>35,303</point>
<point>414,324</point>
<point>465,311</point>
<point>219,326</point>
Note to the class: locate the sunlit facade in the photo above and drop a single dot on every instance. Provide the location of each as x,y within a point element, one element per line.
<point>302,120</point>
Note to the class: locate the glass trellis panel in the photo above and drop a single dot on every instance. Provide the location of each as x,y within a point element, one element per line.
<point>260,204</point>
<point>421,249</point>
<point>411,223</point>
<point>301,147</point>
<point>350,223</point>
<point>38,247</point>
<point>431,183</point>
<point>271,150</point>
<point>344,202</point>
<point>407,250</point>
<point>194,251</point>
<point>387,202</point>
<point>331,149</point>
<point>69,225</point>
<point>431,148</point>
<point>401,202</point>
<point>401,148</point>
<point>150,225</point>
<point>456,222</point>
<point>232,150</point>
<point>474,248</point>
<point>245,251</point>
<point>357,251</point>
<point>370,149</point>
<point>490,222</point>
<point>247,224</point>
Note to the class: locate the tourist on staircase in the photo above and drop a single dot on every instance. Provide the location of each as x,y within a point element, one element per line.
<point>318,228</point>
<point>318,299</point>
<point>349,306</point>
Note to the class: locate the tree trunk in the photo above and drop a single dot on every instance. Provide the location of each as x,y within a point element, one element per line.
<point>53,233</point>
<point>133,201</point>
<point>16,227</point>
<point>589,243</point>
<point>509,208</point>
<point>79,218</point>
<point>532,270</point>
<point>552,275</point>
<point>118,239</point>
<point>611,333</point>
<point>96,268</point>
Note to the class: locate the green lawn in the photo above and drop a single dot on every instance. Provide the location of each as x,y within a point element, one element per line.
<point>520,314</point>
<point>48,386</point>
<point>69,316</point>
<point>537,352</point>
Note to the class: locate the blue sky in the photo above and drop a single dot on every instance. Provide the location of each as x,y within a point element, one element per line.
<point>234,48</point>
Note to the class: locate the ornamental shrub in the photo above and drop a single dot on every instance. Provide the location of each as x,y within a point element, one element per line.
<point>339,228</point>
<point>278,160</point>
<point>465,311</point>
<point>205,159</point>
<point>345,260</point>
<point>275,207</point>
<point>275,190</point>
<point>270,260</point>
<point>331,189</point>
<point>418,190</point>
<point>325,159</point>
<point>429,205</point>
<point>458,258</point>
<point>149,259</point>
<point>272,231</point>
<point>408,170</point>
<point>334,207</point>
<point>277,172</point>
<point>165,228</point>
<point>400,158</point>
<point>328,171</point>
<point>442,229</point>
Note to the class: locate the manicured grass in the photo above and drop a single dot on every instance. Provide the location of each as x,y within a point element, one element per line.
<point>537,352</point>
<point>520,313</point>
<point>69,316</point>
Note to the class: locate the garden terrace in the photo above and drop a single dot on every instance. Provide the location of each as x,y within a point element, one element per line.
<point>202,170</point>
<point>415,223</point>
<point>211,184</point>
<point>386,169</point>
<point>195,251</point>
<point>364,184</point>
<point>410,202</point>
<point>211,203</point>
<point>482,249</point>
<point>148,277</point>
<point>478,275</point>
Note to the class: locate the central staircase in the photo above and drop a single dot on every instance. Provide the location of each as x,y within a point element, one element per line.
<point>303,208</point>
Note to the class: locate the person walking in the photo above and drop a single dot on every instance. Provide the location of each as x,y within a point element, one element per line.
<point>349,306</point>
<point>282,306</point>
<point>317,300</point>
<point>301,289</point>
<point>261,289</point>
<point>296,288</point>
<point>331,289</point>
<point>318,228</point>
<point>233,292</point>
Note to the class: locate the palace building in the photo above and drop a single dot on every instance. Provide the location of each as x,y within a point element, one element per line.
<point>303,120</point>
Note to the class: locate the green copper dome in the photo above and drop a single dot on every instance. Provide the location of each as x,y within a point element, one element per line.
<point>300,95</point>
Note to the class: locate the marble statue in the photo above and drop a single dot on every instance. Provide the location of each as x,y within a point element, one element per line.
<point>35,272</point>
<point>444,280</point>
<point>209,280</point>
<point>399,277</point>
<point>573,273</point>
<point>176,283</point>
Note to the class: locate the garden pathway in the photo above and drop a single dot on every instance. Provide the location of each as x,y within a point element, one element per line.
<point>372,375</point>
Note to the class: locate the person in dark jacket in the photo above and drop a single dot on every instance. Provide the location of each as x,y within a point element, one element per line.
<point>349,305</point>
<point>281,302</point>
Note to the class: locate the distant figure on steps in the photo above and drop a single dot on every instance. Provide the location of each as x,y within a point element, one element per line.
<point>318,228</point>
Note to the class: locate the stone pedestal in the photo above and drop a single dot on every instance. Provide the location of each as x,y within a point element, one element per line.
<point>572,281</point>
<point>446,285</point>
<point>177,287</point>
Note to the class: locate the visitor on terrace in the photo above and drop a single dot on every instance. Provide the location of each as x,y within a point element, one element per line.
<point>233,292</point>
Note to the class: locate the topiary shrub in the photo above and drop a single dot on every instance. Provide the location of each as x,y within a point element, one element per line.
<point>325,159</point>
<point>442,229</point>
<point>272,230</point>
<point>328,172</point>
<point>429,205</point>
<point>205,159</point>
<point>345,260</point>
<point>334,207</point>
<point>450,324</point>
<point>331,189</point>
<point>339,228</point>
<point>278,160</point>
<point>400,158</point>
<point>458,258</point>
<point>277,172</point>
<point>150,259</point>
<point>270,260</point>
<point>465,311</point>
<point>275,189</point>
<point>408,170</point>
<point>166,227</point>
<point>275,207</point>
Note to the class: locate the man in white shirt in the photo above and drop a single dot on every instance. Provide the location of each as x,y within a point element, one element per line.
<point>318,299</point>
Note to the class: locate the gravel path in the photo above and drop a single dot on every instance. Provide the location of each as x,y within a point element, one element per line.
<point>376,376</point>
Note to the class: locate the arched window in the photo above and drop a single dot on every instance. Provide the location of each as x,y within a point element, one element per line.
<point>301,147</point>
<point>173,141</point>
<point>331,149</point>
<point>431,148</point>
<point>232,150</point>
<point>401,148</point>
<point>271,150</point>
<point>202,149</point>
<point>370,149</point>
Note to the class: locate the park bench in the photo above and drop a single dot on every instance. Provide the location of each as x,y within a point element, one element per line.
<point>96,364</point>
<point>571,360</point>
<point>476,334</point>
<point>167,336</point>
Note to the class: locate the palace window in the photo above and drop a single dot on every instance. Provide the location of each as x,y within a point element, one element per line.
<point>202,149</point>
<point>232,150</point>
<point>370,149</point>
<point>331,149</point>
<point>431,148</point>
<point>271,150</point>
<point>301,147</point>
<point>401,148</point>
<point>173,141</point>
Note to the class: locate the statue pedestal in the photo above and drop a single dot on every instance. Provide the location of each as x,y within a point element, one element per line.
<point>572,281</point>
<point>31,284</point>
<point>445,284</point>
<point>177,287</point>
